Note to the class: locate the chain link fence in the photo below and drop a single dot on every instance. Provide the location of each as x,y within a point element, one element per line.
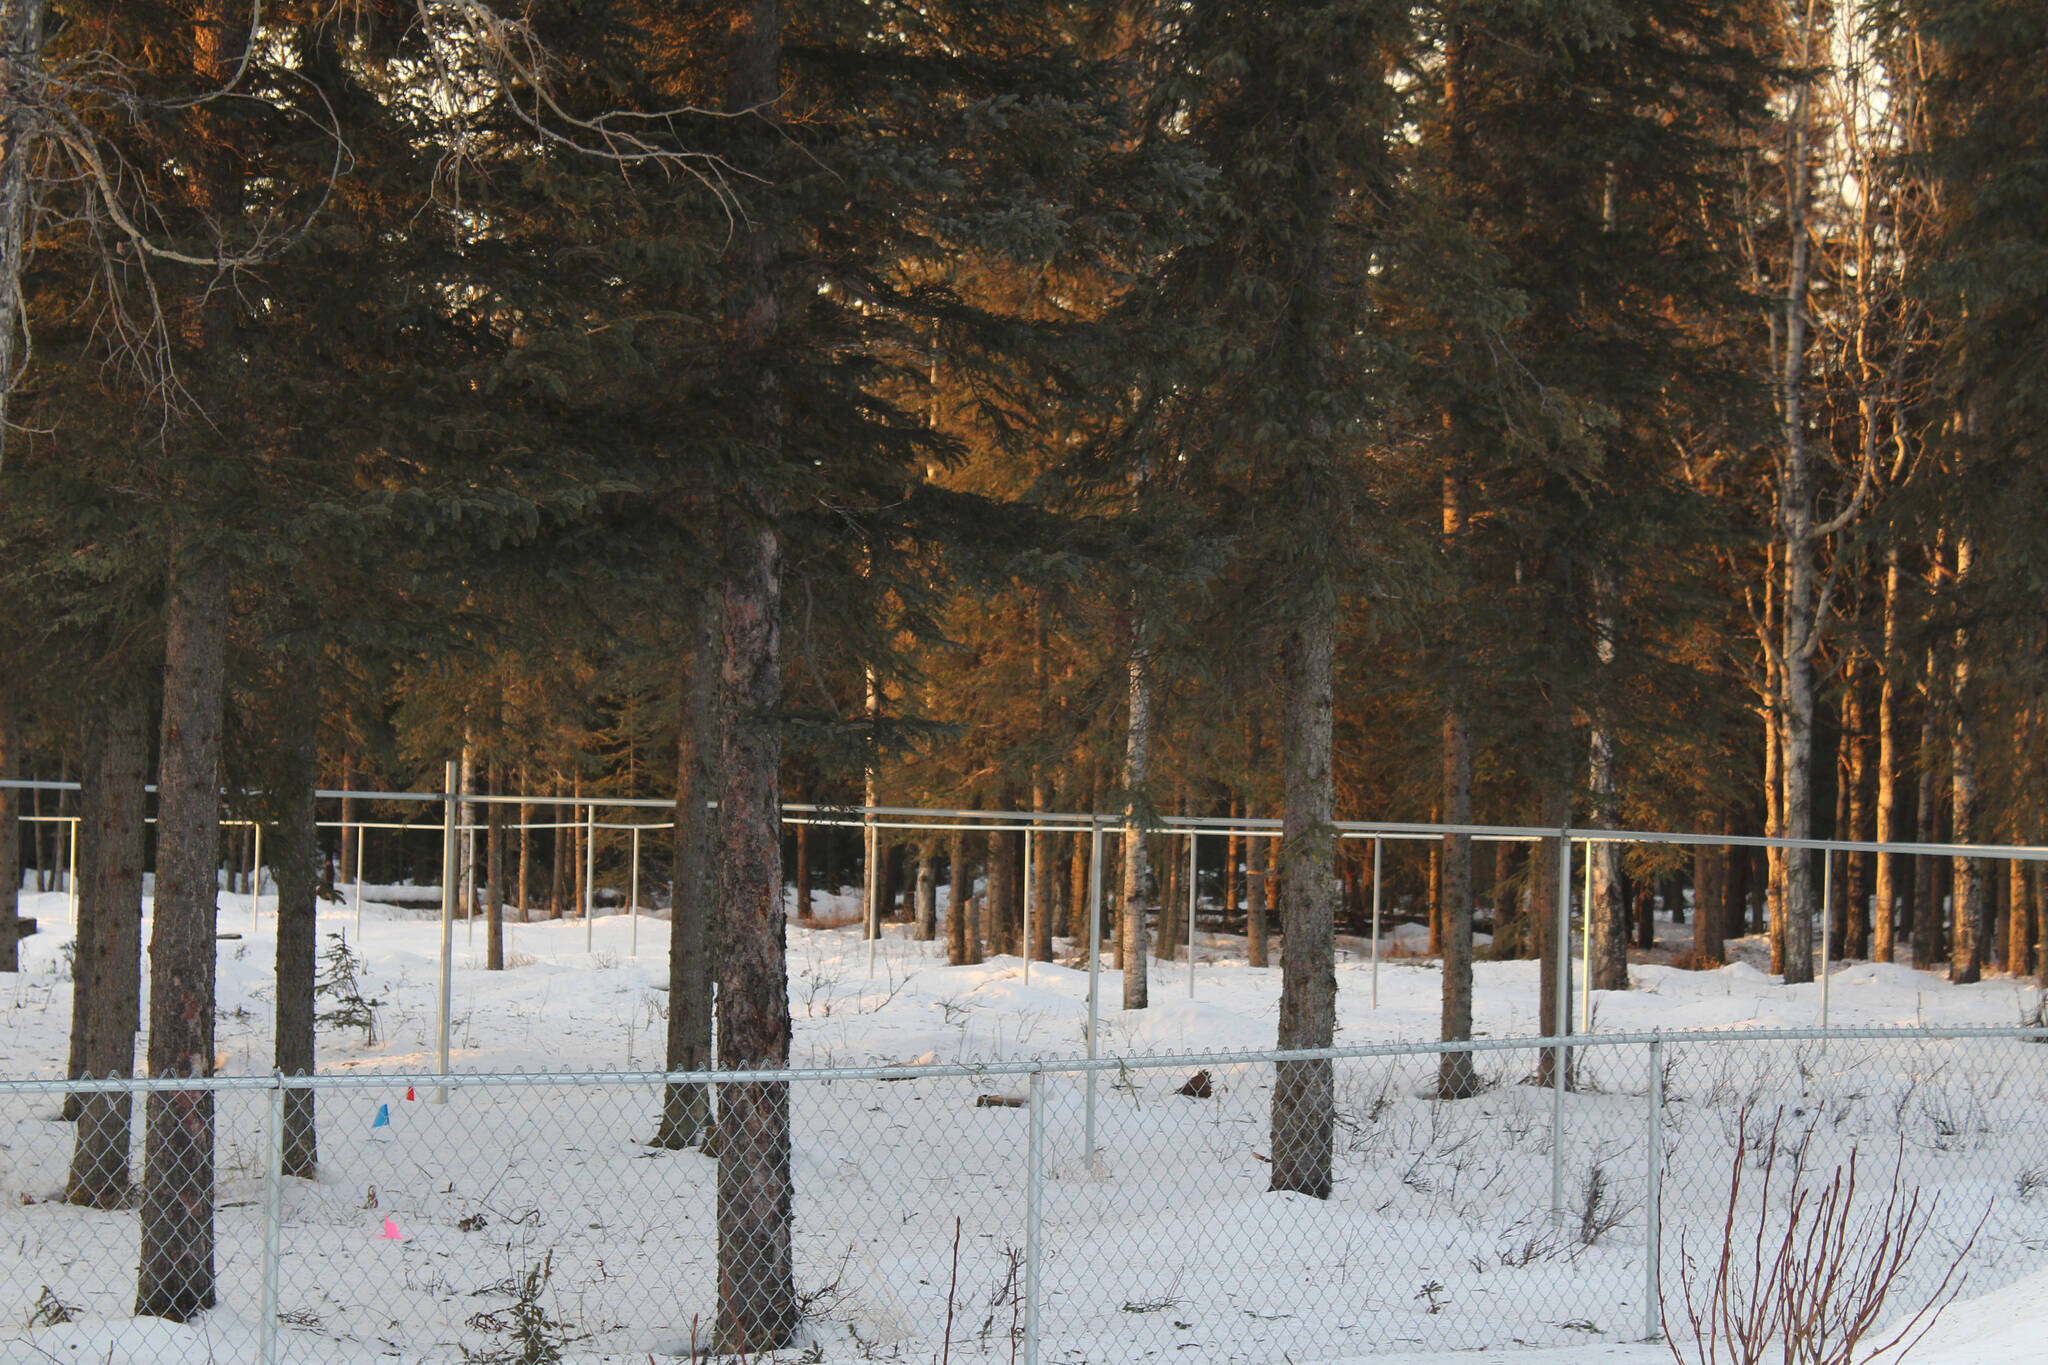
<point>1057,1211</point>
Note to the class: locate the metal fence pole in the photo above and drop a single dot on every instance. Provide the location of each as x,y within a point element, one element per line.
<point>71,877</point>
<point>1034,1216</point>
<point>589,875</point>
<point>1653,1311</point>
<point>447,919</point>
<point>633,896</point>
<point>273,1216</point>
<point>1094,970</point>
<point>1377,844</point>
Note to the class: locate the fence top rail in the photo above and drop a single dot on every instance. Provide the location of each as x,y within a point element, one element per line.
<point>361,1080</point>
<point>914,817</point>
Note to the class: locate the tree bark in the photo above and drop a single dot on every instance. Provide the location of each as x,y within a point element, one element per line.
<point>1547,893</point>
<point>757,1306</point>
<point>1885,910</point>
<point>1255,927</point>
<point>1966,936</point>
<point>346,854</point>
<point>803,872</point>
<point>1456,1078</point>
<point>1856,931</point>
<point>110,901</point>
<point>757,1303</point>
<point>1609,912</point>
<point>1510,936</point>
<point>525,847</point>
<point>694,899</point>
<point>494,872</point>
<point>175,1278</point>
<point>2019,933</point>
<point>959,887</point>
<point>1137,751</point>
<point>296,861</point>
<point>1927,907</point>
<point>1709,872</point>
<point>558,850</point>
<point>1304,1094</point>
<point>1000,922</point>
<point>1233,854</point>
<point>927,924</point>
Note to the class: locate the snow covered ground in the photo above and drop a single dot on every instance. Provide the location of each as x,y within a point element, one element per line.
<point>1166,1246</point>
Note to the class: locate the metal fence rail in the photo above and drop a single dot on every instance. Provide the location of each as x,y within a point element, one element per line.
<point>1039,1211</point>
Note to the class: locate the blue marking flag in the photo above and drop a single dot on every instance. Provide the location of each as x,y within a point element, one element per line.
<point>383,1119</point>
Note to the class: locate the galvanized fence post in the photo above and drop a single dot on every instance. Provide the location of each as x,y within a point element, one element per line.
<point>273,1214</point>
<point>1653,1201</point>
<point>1034,1208</point>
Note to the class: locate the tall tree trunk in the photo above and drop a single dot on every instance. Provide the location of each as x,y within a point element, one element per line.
<point>1856,932</point>
<point>525,846</point>
<point>582,894</point>
<point>1080,847</point>
<point>1255,927</point>
<point>1966,936</point>
<point>1456,1078</point>
<point>1137,808</point>
<point>2019,933</point>
<point>694,899</point>
<point>803,872</point>
<point>1927,907</point>
<point>1510,934</point>
<point>959,887</point>
<point>1548,893</point>
<point>345,857</point>
<point>1233,854</point>
<point>1742,862</point>
<point>1709,872</point>
<point>175,1277</point>
<point>465,820</point>
<point>1000,921</point>
<point>296,860</point>
<point>1304,1094</point>
<point>494,872</point>
<point>1773,715</point>
<point>561,817</point>
<point>1608,912</point>
<point>757,1303</point>
<point>110,901</point>
<point>927,925</point>
<point>1885,910</point>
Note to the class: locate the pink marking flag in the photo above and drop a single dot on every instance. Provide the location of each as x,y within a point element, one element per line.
<point>391,1231</point>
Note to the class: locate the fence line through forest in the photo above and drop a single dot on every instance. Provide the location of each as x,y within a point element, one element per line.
<point>927,1218</point>
<point>457,881</point>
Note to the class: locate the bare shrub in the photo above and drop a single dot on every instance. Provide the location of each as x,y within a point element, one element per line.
<point>1810,1289</point>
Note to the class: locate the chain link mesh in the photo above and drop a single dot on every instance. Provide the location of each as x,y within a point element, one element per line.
<point>1030,1212</point>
